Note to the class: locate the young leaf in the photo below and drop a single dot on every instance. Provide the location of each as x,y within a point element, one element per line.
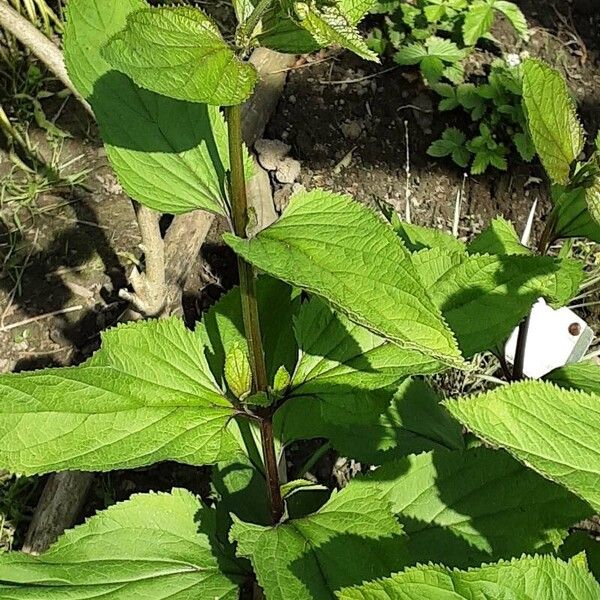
<point>539,578</point>
<point>484,297</point>
<point>351,539</point>
<point>153,546</point>
<point>544,426</point>
<point>146,396</point>
<point>555,129</point>
<point>179,52</point>
<point>332,246</point>
<point>349,369</point>
<point>170,155</point>
<point>281,32</point>
<point>414,421</point>
<point>524,145</point>
<point>329,25</point>
<point>478,22</point>
<point>500,237</point>
<point>480,505</point>
<point>238,372</point>
<point>451,143</point>
<point>222,326</point>
<point>514,14</point>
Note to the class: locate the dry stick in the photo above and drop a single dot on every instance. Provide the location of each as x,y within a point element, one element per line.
<point>40,45</point>
<point>150,294</point>
<point>59,507</point>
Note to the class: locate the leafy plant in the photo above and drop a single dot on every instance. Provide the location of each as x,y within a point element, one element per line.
<point>332,341</point>
<point>439,34</point>
<point>495,106</point>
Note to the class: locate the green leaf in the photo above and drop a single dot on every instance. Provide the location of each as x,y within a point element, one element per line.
<point>592,199</point>
<point>524,145</point>
<point>179,52</point>
<point>550,429</point>
<point>514,14</point>
<point>480,505</point>
<point>451,143</point>
<point>432,68</point>
<point>478,22</point>
<point>578,376</point>
<point>238,373</point>
<point>555,129</point>
<point>416,237</point>
<point>411,54</point>
<point>281,32</point>
<point>413,421</point>
<point>582,541</point>
<point>484,297</point>
<point>499,237</point>
<point>539,578</point>
<point>574,219</point>
<point>222,326</point>
<point>352,538</point>
<point>146,396</point>
<point>333,246</point>
<point>170,155</point>
<point>154,546</point>
<point>349,369</point>
<point>444,49</point>
<point>328,25</point>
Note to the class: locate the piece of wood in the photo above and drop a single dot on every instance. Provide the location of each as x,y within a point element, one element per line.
<point>58,508</point>
<point>65,493</point>
<point>40,45</point>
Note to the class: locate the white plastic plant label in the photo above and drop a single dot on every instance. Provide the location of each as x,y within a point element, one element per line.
<point>554,338</point>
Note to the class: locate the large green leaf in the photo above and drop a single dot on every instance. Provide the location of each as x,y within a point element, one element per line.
<point>179,52</point>
<point>481,505</point>
<point>168,154</point>
<point>352,538</point>
<point>146,396</point>
<point>154,546</point>
<point>349,369</point>
<point>552,430</point>
<point>536,578</point>
<point>484,297</point>
<point>413,421</point>
<point>555,129</point>
<point>333,246</point>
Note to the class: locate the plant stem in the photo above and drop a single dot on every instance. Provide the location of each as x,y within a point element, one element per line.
<point>239,207</point>
<point>542,249</point>
<point>255,16</point>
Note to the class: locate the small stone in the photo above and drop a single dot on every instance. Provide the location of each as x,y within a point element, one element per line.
<point>351,129</point>
<point>292,99</point>
<point>271,153</point>
<point>288,170</point>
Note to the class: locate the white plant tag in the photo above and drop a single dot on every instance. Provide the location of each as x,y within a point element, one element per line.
<point>554,339</point>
